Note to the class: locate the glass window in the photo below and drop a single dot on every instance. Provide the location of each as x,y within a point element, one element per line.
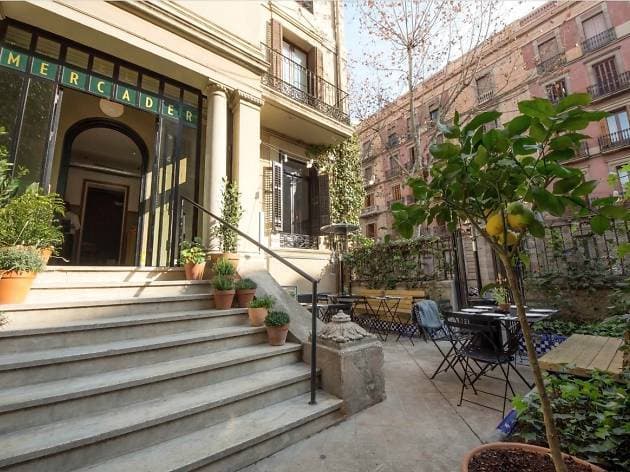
<point>296,198</point>
<point>150,84</point>
<point>171,91</point>
<point>434,115</point>
<point>103,67</point>
<point>128,76</point>
<point>18,37</point>
<point>77,58</point>
<point>548,49</point>
<point>594,25</point>
<point>370,230</point>
<point>35,127</point>
<point>294,66</point>
<point>369,199</point>
<point>10,86</point>
<point>48,47</point>
<point>618,124</point>
<point>556,90</point>
<point>191,98</point>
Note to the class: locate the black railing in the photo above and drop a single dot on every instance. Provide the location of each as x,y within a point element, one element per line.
<point>299,241</point>
<point>551,63</point>
<point>599,40</point>
<point>305,86</point>
<point>279,258</point>
<point>484,95</point>
<point>583,150</point>
<point>616,84</point>
<point>615,140</point>
<point>369,209</point>
<point>391,173</point>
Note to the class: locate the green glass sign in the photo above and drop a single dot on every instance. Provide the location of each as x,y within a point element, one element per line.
<point>45,69</point>
<point>189,114</point>
<point>13,59</point>
<point>126,95</point>
<point>101,87</point>
<point>74,78</point>
<point>170,109</point>
<point>149,102</point>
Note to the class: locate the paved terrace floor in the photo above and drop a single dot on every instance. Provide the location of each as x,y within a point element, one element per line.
<point>418,428</point>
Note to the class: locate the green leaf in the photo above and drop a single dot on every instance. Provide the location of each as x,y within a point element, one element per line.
<point>537,131</point>
<point>444,150</point>
<point>397,206</point>
<point>616,212</point>
<point>518,125</point>
<point>480,120</point>
<point>547,201</point>
<point>566,185</point>
<point>524,146</point>
<point>537,108</point>
<point>560,143</point>
<point>599,224</point>
<point>573,123</point>
<point>536,229</point>
<point>495,141</point>
<point>573,100</point>
<point>585,188</point>
<point>449,132</point>
<point>623,249</point>
<point>481,158</point>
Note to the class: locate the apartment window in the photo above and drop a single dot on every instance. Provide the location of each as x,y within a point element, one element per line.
<point>368,173</point>
<point>369,199</point>
<point>396,194</point>
<point>393,163</point>
<point>618,124</point>
<point>294,66</point>
<point>434,115</point>
<point>370,230</point>
<point>484,88</point>
<point>623,172</point>
<point>412,155</point>
<point>556,90</point>
<point>594,25</point>
<point>392,139</point>
<point>605,73</point>
<point>548,49</point>
<point>365,149</point>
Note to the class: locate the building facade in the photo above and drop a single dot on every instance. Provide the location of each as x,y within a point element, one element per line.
<point>559,48</point>
<point>125,107</point>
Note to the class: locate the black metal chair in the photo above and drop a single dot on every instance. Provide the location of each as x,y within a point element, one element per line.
<point>484,343</point>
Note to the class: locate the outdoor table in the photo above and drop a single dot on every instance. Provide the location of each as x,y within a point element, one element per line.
<point>385,309</point>
<point>325,311</point>
<point>354,301</point>
<point>581,354</point>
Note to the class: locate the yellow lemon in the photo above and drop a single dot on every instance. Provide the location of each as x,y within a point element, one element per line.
<point>494,225</point>
<point>519,217</point>
<point>511,238</point>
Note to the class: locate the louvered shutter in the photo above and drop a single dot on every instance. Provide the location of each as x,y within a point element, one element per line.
<point>268,198</point>
<point>315,64</point>
<point>324,200</point>
<point>276,47</point>
<point>276,202</point>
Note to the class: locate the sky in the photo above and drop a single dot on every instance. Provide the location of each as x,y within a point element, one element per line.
<point>357,42</point>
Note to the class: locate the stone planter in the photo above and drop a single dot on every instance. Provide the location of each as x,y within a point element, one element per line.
<point>277,335</point>
<point>521,446</point>
<point>244,297</point>
<point>223,299</point>
<point>257,316</point>
<point>45,253</point>
<point>194,271</point>
<point>14,286</point>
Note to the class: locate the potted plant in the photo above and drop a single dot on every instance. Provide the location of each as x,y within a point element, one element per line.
<point>223,292</point>
<point>245,291</point>
<point>501,296</point>
<point>231,213</point>
<point>18,267</point>
<point>259,308</point>
<point>224,268</point>
<point>192,255</point>
<point>277,324</point>
<point>482,176</point>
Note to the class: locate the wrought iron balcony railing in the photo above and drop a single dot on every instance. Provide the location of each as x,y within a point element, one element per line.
<point>369,209</point>
<point>299,241</point>
<point>599,40</point>
<point>584,150</point>
<point>305,86</point>
<point>617,84</point>
<point>551,63</point>
<point>391,173</point>
<point>485,95</point>
<point>615,140</point>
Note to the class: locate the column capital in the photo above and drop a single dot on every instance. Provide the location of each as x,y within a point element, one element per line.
<point>238,96</point>
<point>216,87</point>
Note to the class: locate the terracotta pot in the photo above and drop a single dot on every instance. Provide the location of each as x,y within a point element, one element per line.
<point>223,299</point>
<point>14,286</point>
<point>257,316</point>
<point>45,253</point>
<point>194,271</point>
<point>277,334</point>
<point>525,447</point>
<point>245,296</point>
<point>232,258</point>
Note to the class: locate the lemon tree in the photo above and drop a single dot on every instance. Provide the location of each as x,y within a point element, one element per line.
<point>504,182</point>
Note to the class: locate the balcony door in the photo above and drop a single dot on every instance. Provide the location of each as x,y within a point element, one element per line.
<point>606,74</point>
<point>618,126</point>
<point>294,66</point>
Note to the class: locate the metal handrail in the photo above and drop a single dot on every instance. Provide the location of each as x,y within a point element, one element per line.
<point>291,266</point>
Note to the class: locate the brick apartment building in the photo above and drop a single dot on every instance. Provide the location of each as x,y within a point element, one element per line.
<point>559,48</point>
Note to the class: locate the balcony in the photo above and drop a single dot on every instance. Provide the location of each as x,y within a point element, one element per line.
<point>369,210</point>
<point>552,63</point>
<point>618,84</point>
<point>485,96</point>
<point>298,241</point>
<point>612,141</point>
<point>583,151</point>
<point>303,85</point>
<point>391,173</point>
<point>599,40</point>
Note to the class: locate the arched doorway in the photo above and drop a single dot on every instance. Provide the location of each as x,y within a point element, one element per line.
<point>103,168</point>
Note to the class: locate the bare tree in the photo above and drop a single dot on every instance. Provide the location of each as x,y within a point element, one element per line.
<point>422,45</point>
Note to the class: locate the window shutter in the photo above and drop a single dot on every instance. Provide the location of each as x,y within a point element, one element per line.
<point>268,198</point>
<point>276,204</point>
<point>276,45</point>
<point>324,200</point>
<point>315,64</point>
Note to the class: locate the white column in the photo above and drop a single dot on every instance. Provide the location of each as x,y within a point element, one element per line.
<point>215,158</point>
<point>246,169</point>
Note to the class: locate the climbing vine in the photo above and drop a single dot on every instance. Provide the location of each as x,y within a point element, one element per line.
<point>342,162</point>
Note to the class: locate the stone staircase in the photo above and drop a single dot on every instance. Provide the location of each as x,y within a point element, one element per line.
<point>131,369</point>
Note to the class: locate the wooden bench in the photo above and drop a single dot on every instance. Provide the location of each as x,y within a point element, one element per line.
<point>408,298</point>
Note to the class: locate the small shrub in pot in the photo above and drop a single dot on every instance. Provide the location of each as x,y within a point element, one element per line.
<point>259,308</point>
<point>245,291</point>
<point>224,268</point>
<point>277,323</point>
<point>192,255</point>
<point>223,292</point>
<point>18,267</point>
